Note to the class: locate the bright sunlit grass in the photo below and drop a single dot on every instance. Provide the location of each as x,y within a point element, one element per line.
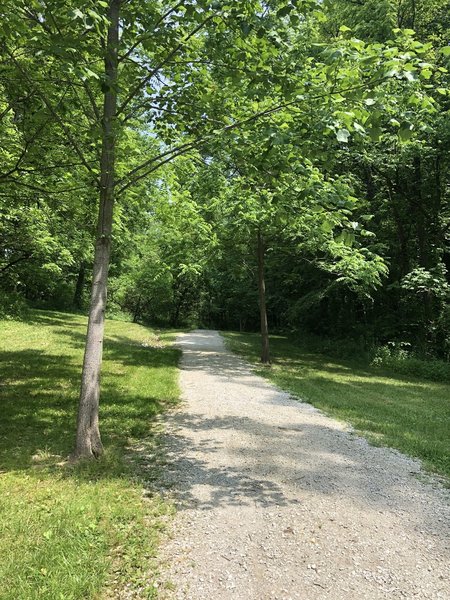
<point>406,413</point>
<point>77,532</point>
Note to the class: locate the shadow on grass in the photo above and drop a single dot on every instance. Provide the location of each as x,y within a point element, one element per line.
<point>39,394</point>
<point>44,317</point>
<point>404,412</point>
<point>287,353</point>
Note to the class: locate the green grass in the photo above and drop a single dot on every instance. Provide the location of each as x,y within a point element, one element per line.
<point>399,411</point>
<point>78,531</point>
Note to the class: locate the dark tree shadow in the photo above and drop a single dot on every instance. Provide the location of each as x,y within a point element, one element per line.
<point>345,466</point>
<point>39,395</point>
<point>303,457</point>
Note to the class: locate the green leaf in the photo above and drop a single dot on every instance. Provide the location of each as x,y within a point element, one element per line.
<point>245,27</point>
<point>405,132</point>
<point>327,226</point>
<point>426,74</point>
<point>284,11</point>
<point>375,134</point>
<point>280,138</point>
<point>343,135</point>
<point>90,73</point>
<point>391,73</point>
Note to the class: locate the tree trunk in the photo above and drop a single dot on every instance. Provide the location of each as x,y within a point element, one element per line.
<point>78,295</point>
<point>265,355</point>
<point>137,310</point>
<point>421,216</point>
<point>88,441</point>
<point>394,195</point>
<point>179,295</point>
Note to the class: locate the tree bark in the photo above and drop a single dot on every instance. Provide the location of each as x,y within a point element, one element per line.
<point>88,440</point>
<point>265,354</point>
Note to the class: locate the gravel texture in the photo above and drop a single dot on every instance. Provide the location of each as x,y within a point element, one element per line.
<point>277,501</point>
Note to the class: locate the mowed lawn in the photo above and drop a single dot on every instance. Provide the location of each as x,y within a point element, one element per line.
<point>406,413</point>
<point>84,531</point>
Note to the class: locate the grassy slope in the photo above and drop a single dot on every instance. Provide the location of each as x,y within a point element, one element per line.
<point>76,532</point>
<point>406,413</point>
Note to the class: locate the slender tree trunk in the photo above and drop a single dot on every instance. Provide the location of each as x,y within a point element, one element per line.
<point>137,310</point>
<point>400,225</point>
<point>424,212</point>
<point>88,441</point>
<point>78,295</point>
<point>421,216</point>
<point>265,354</point>
<point>178,306</point>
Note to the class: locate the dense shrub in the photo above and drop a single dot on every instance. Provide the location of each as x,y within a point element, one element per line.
<point>12,306</point>
<point>397,356</point>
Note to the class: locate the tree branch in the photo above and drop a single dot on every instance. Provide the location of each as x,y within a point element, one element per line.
<point>25,256</point>
<point>149,35</point>
<point>153,72</point>
<point>148,162</point>
<point>182,149</point>
<point>154,168</point>
<point>11,104</point>
<point>28,144</point>
<point>92,101</point>
<point>55,114</point>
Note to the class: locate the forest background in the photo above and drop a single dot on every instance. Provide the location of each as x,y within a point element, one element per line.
<point>301,146</point>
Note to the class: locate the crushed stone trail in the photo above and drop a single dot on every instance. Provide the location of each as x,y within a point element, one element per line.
<point>276,501</point>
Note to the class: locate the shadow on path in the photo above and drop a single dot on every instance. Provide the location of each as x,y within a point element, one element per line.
<point>240,442</point>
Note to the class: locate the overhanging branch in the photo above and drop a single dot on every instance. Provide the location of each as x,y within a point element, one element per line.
<point>197,142</point>
<point>149,35</point>
<point>54,113</point>
<point>159,66</point>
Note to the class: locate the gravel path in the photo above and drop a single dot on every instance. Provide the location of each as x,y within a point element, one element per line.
<point>277,501</point>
